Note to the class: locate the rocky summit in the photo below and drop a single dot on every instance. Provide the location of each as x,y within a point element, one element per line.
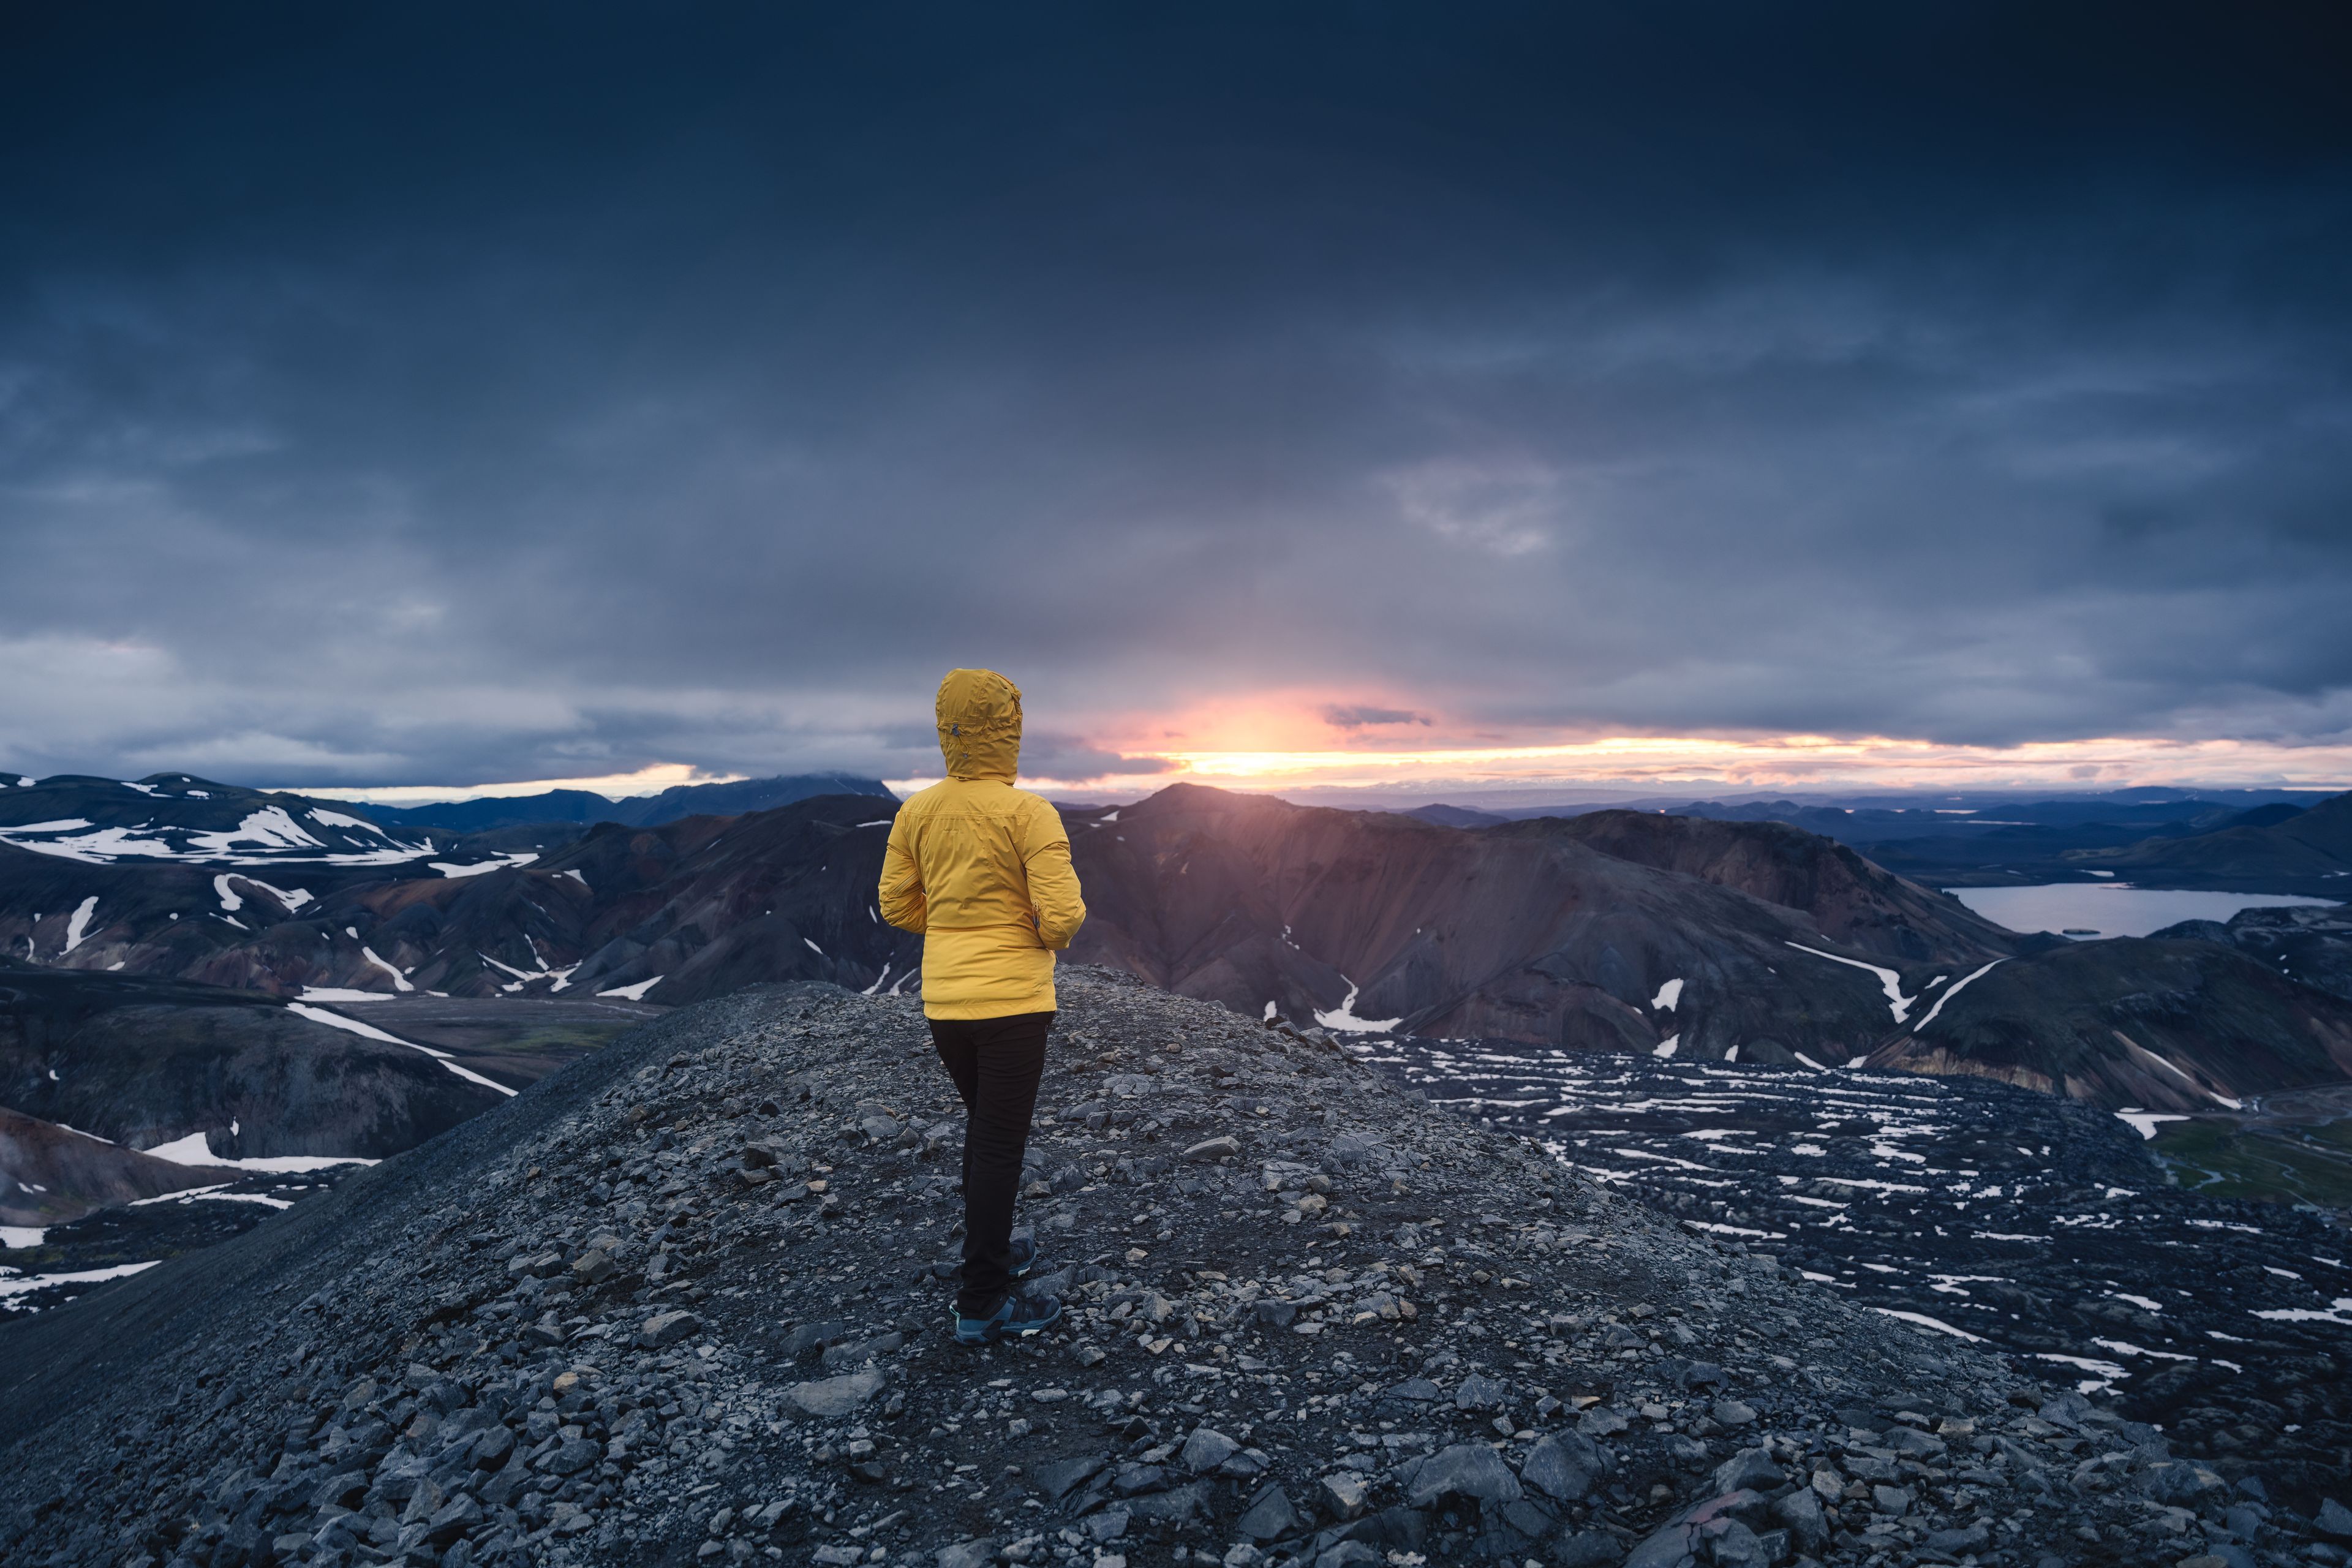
<point>684,1302</point>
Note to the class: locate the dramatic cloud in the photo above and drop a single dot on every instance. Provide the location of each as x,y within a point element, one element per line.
<point>423,394</point>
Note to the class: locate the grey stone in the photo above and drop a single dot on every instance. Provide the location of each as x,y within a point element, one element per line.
<point>491,1450</point>
<point>1912,1443</point>
<point>1588,1549</point>
<point>1563,1465</point>
<point>667,1328</point>
<point>1600,1422</point>
<point>1348,1553</point>
<point>1178,1505</point>
<point>1801,1510</point>
<point>1896,1501</point>
<point>1702,1374</point>
<point>570,1459</point>
<point>1206,1449</point>
<point>831,1396</point>
<point>1276,1314</point>
<point>1271,1517</point>
<point>1479,1392</point>
<point>2333,1520</point>
<point>1418,1389</point>
<point>1063,1477</point>
<point>1465,1469</point>
<point>1214,1148</point>
<point>1731,1544</point>
<point>966,1554</point>
<point>1686,1535</point>
<point>1109,1525</point>
<point>860,1354</point>
<point>1974,1538</point>
<point>455,1518</point>
<point>1750,1468</point>
<point>1345,1493</point>
<point>1733,1413</point>
<point>809,1336</point>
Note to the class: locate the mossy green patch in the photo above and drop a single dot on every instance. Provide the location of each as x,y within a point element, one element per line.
<point>2274,1163</point>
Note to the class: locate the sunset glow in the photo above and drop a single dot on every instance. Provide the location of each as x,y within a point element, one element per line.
<point>1671,762</point>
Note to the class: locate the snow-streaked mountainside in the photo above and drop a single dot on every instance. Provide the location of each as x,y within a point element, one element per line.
<point>1616,930</point>
<point>194,1074</point>
<point>731,799</point>
<point>178,819</point>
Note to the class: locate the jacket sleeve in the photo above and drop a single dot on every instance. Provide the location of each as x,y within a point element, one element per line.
<point>901,896</point>
<point>1052,885</point>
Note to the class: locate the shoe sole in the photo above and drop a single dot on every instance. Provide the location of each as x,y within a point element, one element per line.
<point>994,1334</point>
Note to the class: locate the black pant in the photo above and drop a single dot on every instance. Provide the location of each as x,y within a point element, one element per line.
<point>995,1063</point>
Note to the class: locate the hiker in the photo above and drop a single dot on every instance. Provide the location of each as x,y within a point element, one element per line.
<point>982,871</point>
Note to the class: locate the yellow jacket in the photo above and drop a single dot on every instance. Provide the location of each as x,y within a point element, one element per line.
<point>980,868</point>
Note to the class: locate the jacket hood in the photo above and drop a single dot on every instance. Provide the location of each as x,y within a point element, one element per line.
<point>980,725</point>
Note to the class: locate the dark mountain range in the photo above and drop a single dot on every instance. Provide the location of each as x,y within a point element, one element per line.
<point>1446,816</point>
<point>1524,930</point>
<point>1614,930</point>
<point>144,1062</point>
<point>177,818</point>
<point>2158,1026</point>
<point>732,799</point>
<point>2303,852</point>
<point>2312,943</point>
<point>702,905</point>
<point>49,1174</point>
<point>2013,842</point>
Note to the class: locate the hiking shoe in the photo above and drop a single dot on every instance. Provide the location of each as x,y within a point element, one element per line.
<point>1025,1257</point>
<point>1013,1316</point>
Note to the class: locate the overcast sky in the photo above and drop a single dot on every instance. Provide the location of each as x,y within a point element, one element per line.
<point>406,395</point>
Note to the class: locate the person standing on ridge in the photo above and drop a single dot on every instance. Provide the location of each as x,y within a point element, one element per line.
<point>982,871</point>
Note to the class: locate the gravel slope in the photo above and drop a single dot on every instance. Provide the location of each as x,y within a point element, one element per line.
<point>679,1302</point>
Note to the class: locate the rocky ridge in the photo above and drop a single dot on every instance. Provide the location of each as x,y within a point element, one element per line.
<point>684,1301</point>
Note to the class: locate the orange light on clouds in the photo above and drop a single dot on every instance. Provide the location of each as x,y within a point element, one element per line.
<point>1792,762</point>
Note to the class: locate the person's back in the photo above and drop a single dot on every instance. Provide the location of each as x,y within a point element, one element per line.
<point>982,870</point>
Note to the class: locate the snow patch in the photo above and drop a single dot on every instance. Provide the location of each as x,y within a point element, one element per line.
<point>1668,995</point>
<point>637,993</point>
<point>2145,1121</point>
<point>522,857</point>
<point>1897,1001</point>
<point>399,981</point>
<point>1344,1016</point>
<point>22,1235</point>
<point>1965,981</point>
<point>25,1284</point>
<point>1666,1046</point>
<point>352,1026</point>
<point>193,1151</point>
<point>1925,1321</point>
<point>78,928</point>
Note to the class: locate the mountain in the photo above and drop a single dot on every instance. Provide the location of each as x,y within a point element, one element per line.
<point>2306,851</point>
<point>733,799</point>
<point>1305,1316</point>
<point>146,1063</point>
<point>2311,942</point>
<point>1852,900</point>
<point>177,818</point>
<point>1444,816</point>
<point>2160,1026</point>
<point>1524,930</point>
<point>696,906</point>
<point>1614,931</point>
<point>49,1173</point>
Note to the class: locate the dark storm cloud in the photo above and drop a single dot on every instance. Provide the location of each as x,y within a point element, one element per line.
<point>429,394</point>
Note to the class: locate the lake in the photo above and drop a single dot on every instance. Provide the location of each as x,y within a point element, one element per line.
<point>2110,909</point>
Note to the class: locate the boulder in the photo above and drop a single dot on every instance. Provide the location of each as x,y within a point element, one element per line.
<point>1465,1469</point>
<point>832,1396</point>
